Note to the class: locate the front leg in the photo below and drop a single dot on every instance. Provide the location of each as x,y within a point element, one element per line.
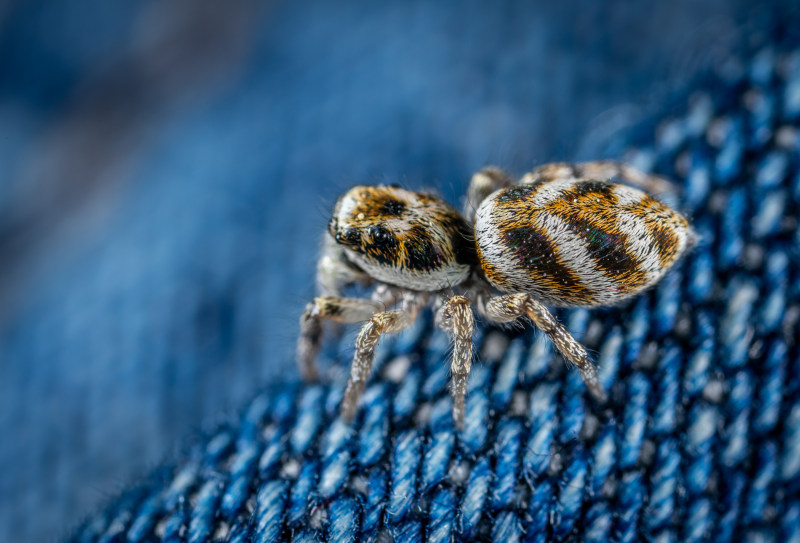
<point>455,316</point>
<point>385,322</point>
<point>333,308</point>
<point>510,307</point>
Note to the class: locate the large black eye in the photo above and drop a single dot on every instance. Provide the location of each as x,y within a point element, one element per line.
<point>380,235</point>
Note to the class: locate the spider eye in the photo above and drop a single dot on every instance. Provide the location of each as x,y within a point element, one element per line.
<point>380,235</point>
<point>350,236</point>
<point>393,207</point>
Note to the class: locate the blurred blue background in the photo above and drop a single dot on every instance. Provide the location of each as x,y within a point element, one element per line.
<point>166,170</point>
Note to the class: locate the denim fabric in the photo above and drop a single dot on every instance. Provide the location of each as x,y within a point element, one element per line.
<point>160,216</point>
<point>702,437</point>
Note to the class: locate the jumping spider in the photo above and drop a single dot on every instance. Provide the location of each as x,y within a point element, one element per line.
<point>561,236</point>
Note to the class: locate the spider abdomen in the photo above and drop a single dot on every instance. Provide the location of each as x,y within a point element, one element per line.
<point>577,242</point>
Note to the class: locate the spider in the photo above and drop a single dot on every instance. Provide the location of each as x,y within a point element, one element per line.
<point>563,236</point>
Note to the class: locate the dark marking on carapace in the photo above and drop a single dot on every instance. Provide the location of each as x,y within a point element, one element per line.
<point>393,207</point>
<point>421,253</point>
<point>377,203</point>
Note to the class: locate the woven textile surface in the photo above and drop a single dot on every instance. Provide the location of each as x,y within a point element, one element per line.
<point>701,440</point>
<point>167,169</point>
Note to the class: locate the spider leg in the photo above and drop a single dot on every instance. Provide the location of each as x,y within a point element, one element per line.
<point>455,316</point>
<point>384,322</point>
<point>601,170</point>
<point>482,184</point>
<point>345,310</point>
<point>510,307</point>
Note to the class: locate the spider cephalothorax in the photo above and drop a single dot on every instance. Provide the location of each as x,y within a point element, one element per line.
<point>403,238</point>
<point>562,236</point>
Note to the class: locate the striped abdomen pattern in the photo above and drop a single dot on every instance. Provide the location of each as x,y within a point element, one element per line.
<point>577,242</point>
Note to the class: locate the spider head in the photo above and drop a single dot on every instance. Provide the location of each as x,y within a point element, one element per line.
<point>403,238</point>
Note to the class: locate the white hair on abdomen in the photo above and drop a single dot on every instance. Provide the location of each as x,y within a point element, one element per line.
<point>575,256</point>
<point>550,191</point>
<point>640,244</point>
<point>627,196</point>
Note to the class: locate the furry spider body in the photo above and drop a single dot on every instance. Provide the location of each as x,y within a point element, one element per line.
<point>403,238</point>
<point>562,236</point>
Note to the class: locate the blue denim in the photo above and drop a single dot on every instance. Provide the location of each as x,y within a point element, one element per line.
<point>701,440</point>
<point>160,217</point>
